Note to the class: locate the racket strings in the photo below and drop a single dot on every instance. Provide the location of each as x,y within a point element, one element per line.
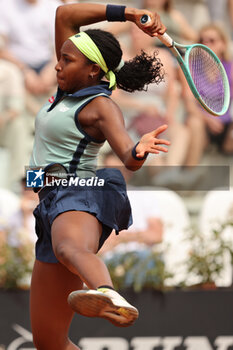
<point>208,78</point>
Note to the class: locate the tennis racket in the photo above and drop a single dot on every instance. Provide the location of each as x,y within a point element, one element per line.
<point>203,71</point>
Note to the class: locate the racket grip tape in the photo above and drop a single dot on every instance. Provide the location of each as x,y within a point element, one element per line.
<point>166,40</point>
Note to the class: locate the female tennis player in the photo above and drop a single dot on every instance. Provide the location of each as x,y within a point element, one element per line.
<point>72,222</point>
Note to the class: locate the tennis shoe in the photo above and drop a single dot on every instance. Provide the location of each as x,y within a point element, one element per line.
<point>105,303</point>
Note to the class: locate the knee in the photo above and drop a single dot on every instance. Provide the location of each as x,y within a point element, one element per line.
<point>65,252</point>
<point>62,251</point>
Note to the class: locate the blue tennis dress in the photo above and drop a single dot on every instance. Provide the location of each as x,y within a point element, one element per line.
<point>64,150</point>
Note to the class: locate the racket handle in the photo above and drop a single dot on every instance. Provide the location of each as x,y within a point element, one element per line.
<point>166,39</point>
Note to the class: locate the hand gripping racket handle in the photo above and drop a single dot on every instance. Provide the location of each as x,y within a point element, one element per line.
<point>164,38</point>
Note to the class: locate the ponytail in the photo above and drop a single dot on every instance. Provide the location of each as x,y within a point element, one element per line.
<point>139,72</point>
<point>135,74</point>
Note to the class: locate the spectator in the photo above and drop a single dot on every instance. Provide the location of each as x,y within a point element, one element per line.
<point>195,12</point>
<point>148,229</point>
<point>205,128</point>
<point>12,128</point>
<point>221,12</point>
<point>22,223</point>
<point>28,40</point>
<point>16,215</point>
<point>230,9</point>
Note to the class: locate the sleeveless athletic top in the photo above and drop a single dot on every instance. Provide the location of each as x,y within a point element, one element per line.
<point>60,141</point>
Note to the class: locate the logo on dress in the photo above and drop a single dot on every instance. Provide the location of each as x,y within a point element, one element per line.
<point>51,99</point>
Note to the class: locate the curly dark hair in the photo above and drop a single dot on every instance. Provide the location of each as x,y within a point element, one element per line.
<point>137,73</point>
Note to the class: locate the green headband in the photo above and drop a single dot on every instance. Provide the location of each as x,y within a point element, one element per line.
<point>87,46</point>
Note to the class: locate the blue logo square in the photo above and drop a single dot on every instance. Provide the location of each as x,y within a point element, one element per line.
<point>35,178</point>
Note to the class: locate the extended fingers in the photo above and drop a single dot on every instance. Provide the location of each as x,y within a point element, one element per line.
<point>159,29</point>
<point>154,29</point>
<point>159,148</point>
<point>159,130</point>
<point>162,141</point>
<point>152,150</point>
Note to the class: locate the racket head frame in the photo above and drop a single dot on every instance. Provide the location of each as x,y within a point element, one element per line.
<point>184,64</point>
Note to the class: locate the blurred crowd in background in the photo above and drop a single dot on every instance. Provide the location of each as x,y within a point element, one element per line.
<point>27,79</point>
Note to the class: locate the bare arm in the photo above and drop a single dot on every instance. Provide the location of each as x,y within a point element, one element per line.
<point>111,123</point>
<point>187,31</point>
<point>70,17</point>
<point>152,234</point>
<point>7,55</point>
<point>36,83</point>
<point>134,104</point>
<point>171,94</point>
<point>230,9</point>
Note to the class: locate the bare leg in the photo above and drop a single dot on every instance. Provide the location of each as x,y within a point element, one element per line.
<point>75,238</point>
<point>198,139</point>
<point>179,136</point>
<point>50,313</point>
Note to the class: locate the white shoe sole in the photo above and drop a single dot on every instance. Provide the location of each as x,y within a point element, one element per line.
<point>97,304</point>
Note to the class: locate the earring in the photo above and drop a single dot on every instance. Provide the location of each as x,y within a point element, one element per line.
<point>92,76</point>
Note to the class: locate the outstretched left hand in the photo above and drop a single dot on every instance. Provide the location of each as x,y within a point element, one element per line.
<point>149,143</point>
